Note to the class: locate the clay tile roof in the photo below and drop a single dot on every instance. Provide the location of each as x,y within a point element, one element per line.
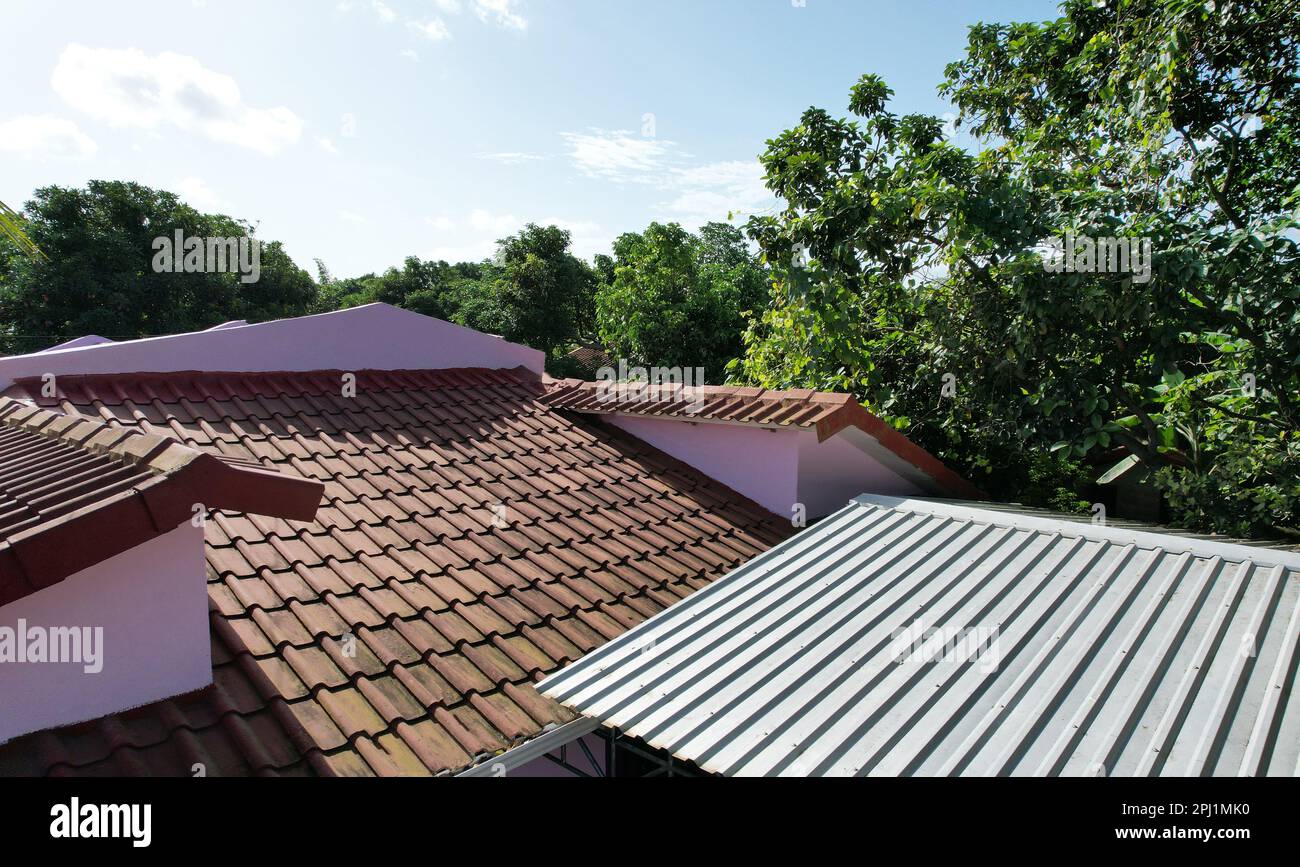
<point>590,359</point>
<point>471,541</point>
<point>826,413</point>
<point>74,492</point>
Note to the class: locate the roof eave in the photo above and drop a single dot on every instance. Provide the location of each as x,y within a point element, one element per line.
<point>943,480</point>
<point>188,482</point>
<point>925,469</point>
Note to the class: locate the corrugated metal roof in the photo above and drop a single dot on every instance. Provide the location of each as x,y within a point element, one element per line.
<point>1117,652</point>
<point>1279,543</point>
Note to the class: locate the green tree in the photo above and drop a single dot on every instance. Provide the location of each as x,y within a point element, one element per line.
<point>431,288</point>
<point>604,267</point>
<point>680,300</point>
<point>97,276</point>
<point>477,303</point>
<point>540,291</point>
<point>910,270</point>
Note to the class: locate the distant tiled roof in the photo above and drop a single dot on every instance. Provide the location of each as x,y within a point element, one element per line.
<point>75,492</point>
<point>590,358</point>
<point>828,413</point>
<point>802,408</point>
<point>472,540</point>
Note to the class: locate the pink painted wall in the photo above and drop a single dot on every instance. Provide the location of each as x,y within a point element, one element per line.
<point>835,471</point>
<point>777,468</point>
<point>375,336</point>
<point>152,603</point>
<point>761,464</point>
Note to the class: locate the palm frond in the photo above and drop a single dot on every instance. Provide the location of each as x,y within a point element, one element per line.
<point>11,224</point>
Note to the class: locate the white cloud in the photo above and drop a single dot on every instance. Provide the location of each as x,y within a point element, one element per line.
<point>410,54</point>
<point>382,10</point>
<point>485,221</point>
<point>481,230</point>
<point>433,29</point>
<point>500,12</point>
<point>475,251</point>
<point>351,217</point>
<point>511,158</point>
<point>950,129</point>
<point>196,193</point>
<point>697,193</point>
<point>327,145</point>
<point>742,175</point>
<point>618,155</point>
<point>128,88</point>
<point>44,136</point>
<point>585,247</point>
<point>712,190</point>
<point>586,237</point>
<point>573,227</point>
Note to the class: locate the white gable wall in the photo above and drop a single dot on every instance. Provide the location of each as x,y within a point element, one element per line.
<point>759,463</point>
<point>152,604</point>
<point>374,337</point>
<point>776,468</point>
<point>835,471</point>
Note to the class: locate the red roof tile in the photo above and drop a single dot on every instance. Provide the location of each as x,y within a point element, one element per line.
<point>75,492</point>
<point>471,541</point>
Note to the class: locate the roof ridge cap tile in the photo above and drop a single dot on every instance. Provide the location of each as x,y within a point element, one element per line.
<point>161,454</point>
<point>827,413</point>
<point>156,452</point>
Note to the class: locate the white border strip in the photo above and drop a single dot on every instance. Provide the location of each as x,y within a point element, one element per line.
<point>534,749</point>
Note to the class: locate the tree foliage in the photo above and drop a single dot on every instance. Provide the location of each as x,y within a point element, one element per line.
<point>680,300</point>
<point>533,291</point>
<point>909,269</point>
<point>543,292</point>
<point>432,288</point>
<point>97,275</point>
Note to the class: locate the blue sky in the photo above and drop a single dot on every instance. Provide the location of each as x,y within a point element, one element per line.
<point>361,132</point>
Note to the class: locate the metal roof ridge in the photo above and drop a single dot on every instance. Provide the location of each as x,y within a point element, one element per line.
<point>1229,551</point>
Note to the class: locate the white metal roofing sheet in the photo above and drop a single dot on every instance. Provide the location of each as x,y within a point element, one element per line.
<point>1106,651</point>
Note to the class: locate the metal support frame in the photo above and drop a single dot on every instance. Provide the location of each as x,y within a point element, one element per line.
<point>563,760</point>
<point>666,764</point>
<point>553,746</point>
